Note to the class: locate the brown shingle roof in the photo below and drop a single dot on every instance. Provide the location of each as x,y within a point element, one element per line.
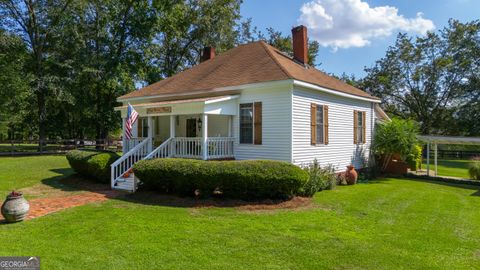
<point>249,63</point>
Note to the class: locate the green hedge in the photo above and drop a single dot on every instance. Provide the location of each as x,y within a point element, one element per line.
<point>253,179</point>
<point>92,163</point>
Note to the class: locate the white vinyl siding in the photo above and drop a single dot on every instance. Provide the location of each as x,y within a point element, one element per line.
<point>276,124</point>
<point>340,151</point>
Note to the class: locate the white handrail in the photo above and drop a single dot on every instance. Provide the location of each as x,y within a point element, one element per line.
<point>126,162</point>
<point>131,143</point>
<point>165,150</point>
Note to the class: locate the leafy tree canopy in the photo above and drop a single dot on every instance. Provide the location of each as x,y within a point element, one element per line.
<point>432,79</point>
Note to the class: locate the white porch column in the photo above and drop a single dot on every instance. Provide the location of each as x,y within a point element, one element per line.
<point>230,121</point>
<point>204,136</point>
<point>124,139</point>
<point>173,123</point>
<point>172,126</point>
<point>436,167</point>
<point>428,159</point>
<point>150,133</point>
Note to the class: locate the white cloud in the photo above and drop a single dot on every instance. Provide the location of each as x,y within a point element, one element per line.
<point>353,23</point>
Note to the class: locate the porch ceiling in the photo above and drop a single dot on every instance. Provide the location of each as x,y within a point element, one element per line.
<point>208,105</point>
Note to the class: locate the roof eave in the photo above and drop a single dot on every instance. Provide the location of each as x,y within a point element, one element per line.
<point>210,91</point>
<point>334,92</point>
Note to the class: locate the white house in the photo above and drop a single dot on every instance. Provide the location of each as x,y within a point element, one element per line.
<point>251,102</point>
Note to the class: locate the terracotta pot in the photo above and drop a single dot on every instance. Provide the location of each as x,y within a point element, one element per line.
<point>15,208</point>
<point>351,175</point>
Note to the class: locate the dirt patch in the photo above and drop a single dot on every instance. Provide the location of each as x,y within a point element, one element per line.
<point>43,191</point>
<point>65,187</point>
<point>296,203</point>
<point>152,198</point>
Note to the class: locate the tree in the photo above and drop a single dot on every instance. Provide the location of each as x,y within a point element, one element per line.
<point>183,29</point>
<point>275,38</point>
<point>36,22</point>
<point>396,137</point>
<point>99,54</point>
<point>429,78</point>
<point>14,90</point>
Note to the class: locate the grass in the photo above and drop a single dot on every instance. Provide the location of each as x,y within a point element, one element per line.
<point>21,172</point>
<point>385,224</point>
<point>454,167</point>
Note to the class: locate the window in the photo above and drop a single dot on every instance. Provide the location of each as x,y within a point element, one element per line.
<point>251,123</point>
<point>320,128</point>
<point>359,127</point>
<point>246,123</point>
<point>142,128</point>
<point>319,124</point>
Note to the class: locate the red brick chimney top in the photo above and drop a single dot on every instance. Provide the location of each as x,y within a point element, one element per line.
<point>300,44</point>
<point>208,53</point>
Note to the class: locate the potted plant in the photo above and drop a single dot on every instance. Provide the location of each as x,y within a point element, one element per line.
<point>351,175</point>
<point>15,208</point>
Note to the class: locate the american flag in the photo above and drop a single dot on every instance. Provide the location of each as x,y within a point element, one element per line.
<point>132,116</point>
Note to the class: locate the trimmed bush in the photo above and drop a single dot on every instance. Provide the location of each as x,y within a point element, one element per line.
<point>252,179</point>
<point>92,163</point>
<point>474,169</point>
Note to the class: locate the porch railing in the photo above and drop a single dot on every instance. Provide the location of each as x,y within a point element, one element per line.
<point>165,150</point>
<point>220,147</point>
<point>131,143</point>
<point>126,162</point>
<point>188,147</point>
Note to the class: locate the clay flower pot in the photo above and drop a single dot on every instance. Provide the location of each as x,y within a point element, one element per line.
<point>127,173</point>
<point>15,208</point>
<point>351,175</point>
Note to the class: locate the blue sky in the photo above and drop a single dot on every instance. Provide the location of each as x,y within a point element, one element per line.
<point>352,43</point>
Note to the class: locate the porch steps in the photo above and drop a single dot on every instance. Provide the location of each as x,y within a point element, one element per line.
<point>127,184</point>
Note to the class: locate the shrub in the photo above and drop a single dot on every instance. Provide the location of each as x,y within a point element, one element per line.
<point>474,169</point>
<point>319,179</point>
<point>395,137</point>
<point>252,179</point>
<point>91,163</point>
<point>414,159</point>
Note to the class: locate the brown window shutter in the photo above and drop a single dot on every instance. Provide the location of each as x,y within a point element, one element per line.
<point>364,127</point>
<point>325,123</point>
<point>313,123</point>
<point>257,122</point>
<point>139,127</point>
<point>355,127</point>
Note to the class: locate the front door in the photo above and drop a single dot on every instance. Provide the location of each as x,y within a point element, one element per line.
<point>192,147</point>
<point>192,127</point>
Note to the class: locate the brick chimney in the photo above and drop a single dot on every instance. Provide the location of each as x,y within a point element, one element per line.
<point>208,53</point>
<point>300,44</point>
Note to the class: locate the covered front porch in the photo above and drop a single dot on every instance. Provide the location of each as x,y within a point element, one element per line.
<point>198,128</point>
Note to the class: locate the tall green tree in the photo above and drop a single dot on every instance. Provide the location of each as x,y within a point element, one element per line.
<point>431,78</point>
<point>183,29</point>
<point>36,22</point>
<point>14,90</point>
<point>100,55</point>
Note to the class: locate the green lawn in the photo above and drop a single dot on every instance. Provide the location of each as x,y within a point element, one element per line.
<point>454,167</point>
<point>20,172</point>
<point>385,224</point>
